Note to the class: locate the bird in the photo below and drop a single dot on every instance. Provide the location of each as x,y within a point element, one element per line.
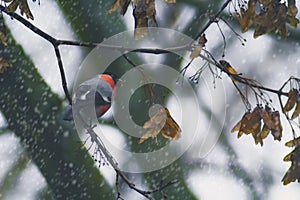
<point>98,90</point>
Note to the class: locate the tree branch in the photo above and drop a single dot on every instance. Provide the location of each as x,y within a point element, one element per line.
<point>62,73</point>
<point>95,138</point>
<point>212,19</point>
<point>56,42</point>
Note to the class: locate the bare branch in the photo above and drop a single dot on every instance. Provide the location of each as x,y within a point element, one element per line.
<point>212,19</point>
<point>114,164</point>
<point>62,73</point>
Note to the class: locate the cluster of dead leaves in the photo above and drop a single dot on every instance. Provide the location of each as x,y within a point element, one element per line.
<point>12,7</point>
<point>251,123</point>
<point>162,122</point>
<point>143,12</point>
<point>293,100</point>
<point>271,16</point>
<point>22,5</point>
<point>293,172</point>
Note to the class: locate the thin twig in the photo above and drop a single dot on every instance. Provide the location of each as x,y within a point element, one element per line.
<point>55,42</point>
<point>240,79</point>
<point>49,38</point>
<point>212,19</point>
<point>114,164</point>
<point>62,74</point>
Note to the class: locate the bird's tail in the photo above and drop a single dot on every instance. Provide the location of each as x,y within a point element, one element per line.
<point>68,114</point>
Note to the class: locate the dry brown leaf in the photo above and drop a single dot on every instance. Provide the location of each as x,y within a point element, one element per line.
<point>12,6</point>
<point>269,16</point>
<point>292,143</point>
<point>4,64</point>
<point>267,117</point>
<point>272,122</point>
<point>288,157</point>
<point>161,122</point>
<point>292,8</point>
<point>297,109</point>
<point>140,19</point>
<point>202,40</point>
<point>292,100</point>
<point>117,4</point>
<point>23,6</point>
<point>293,21</point>
<point>3,32</point>
<point>143,13</point>
<point>237,127</point>
<point>171,130</point>
<point>150,8</point>
<point>265,22</point>
<point>154,125</point>
<point>253,121</point>
<point>274,18</point>
<point>277,130</point>
<point>246,18</point>
<point>262,135</point>
<point>249,124</point>
<point>256,132</point>
<point>293,172</point>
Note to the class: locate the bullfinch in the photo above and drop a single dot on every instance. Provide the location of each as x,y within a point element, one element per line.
<point>101,88</point>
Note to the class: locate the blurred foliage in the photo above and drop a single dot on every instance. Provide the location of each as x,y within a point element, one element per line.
<point>268,16</point>
<point>33,113</point>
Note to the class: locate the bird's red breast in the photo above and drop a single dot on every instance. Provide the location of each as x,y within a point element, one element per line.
<point>108,79</point>
<point>101,110</point>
